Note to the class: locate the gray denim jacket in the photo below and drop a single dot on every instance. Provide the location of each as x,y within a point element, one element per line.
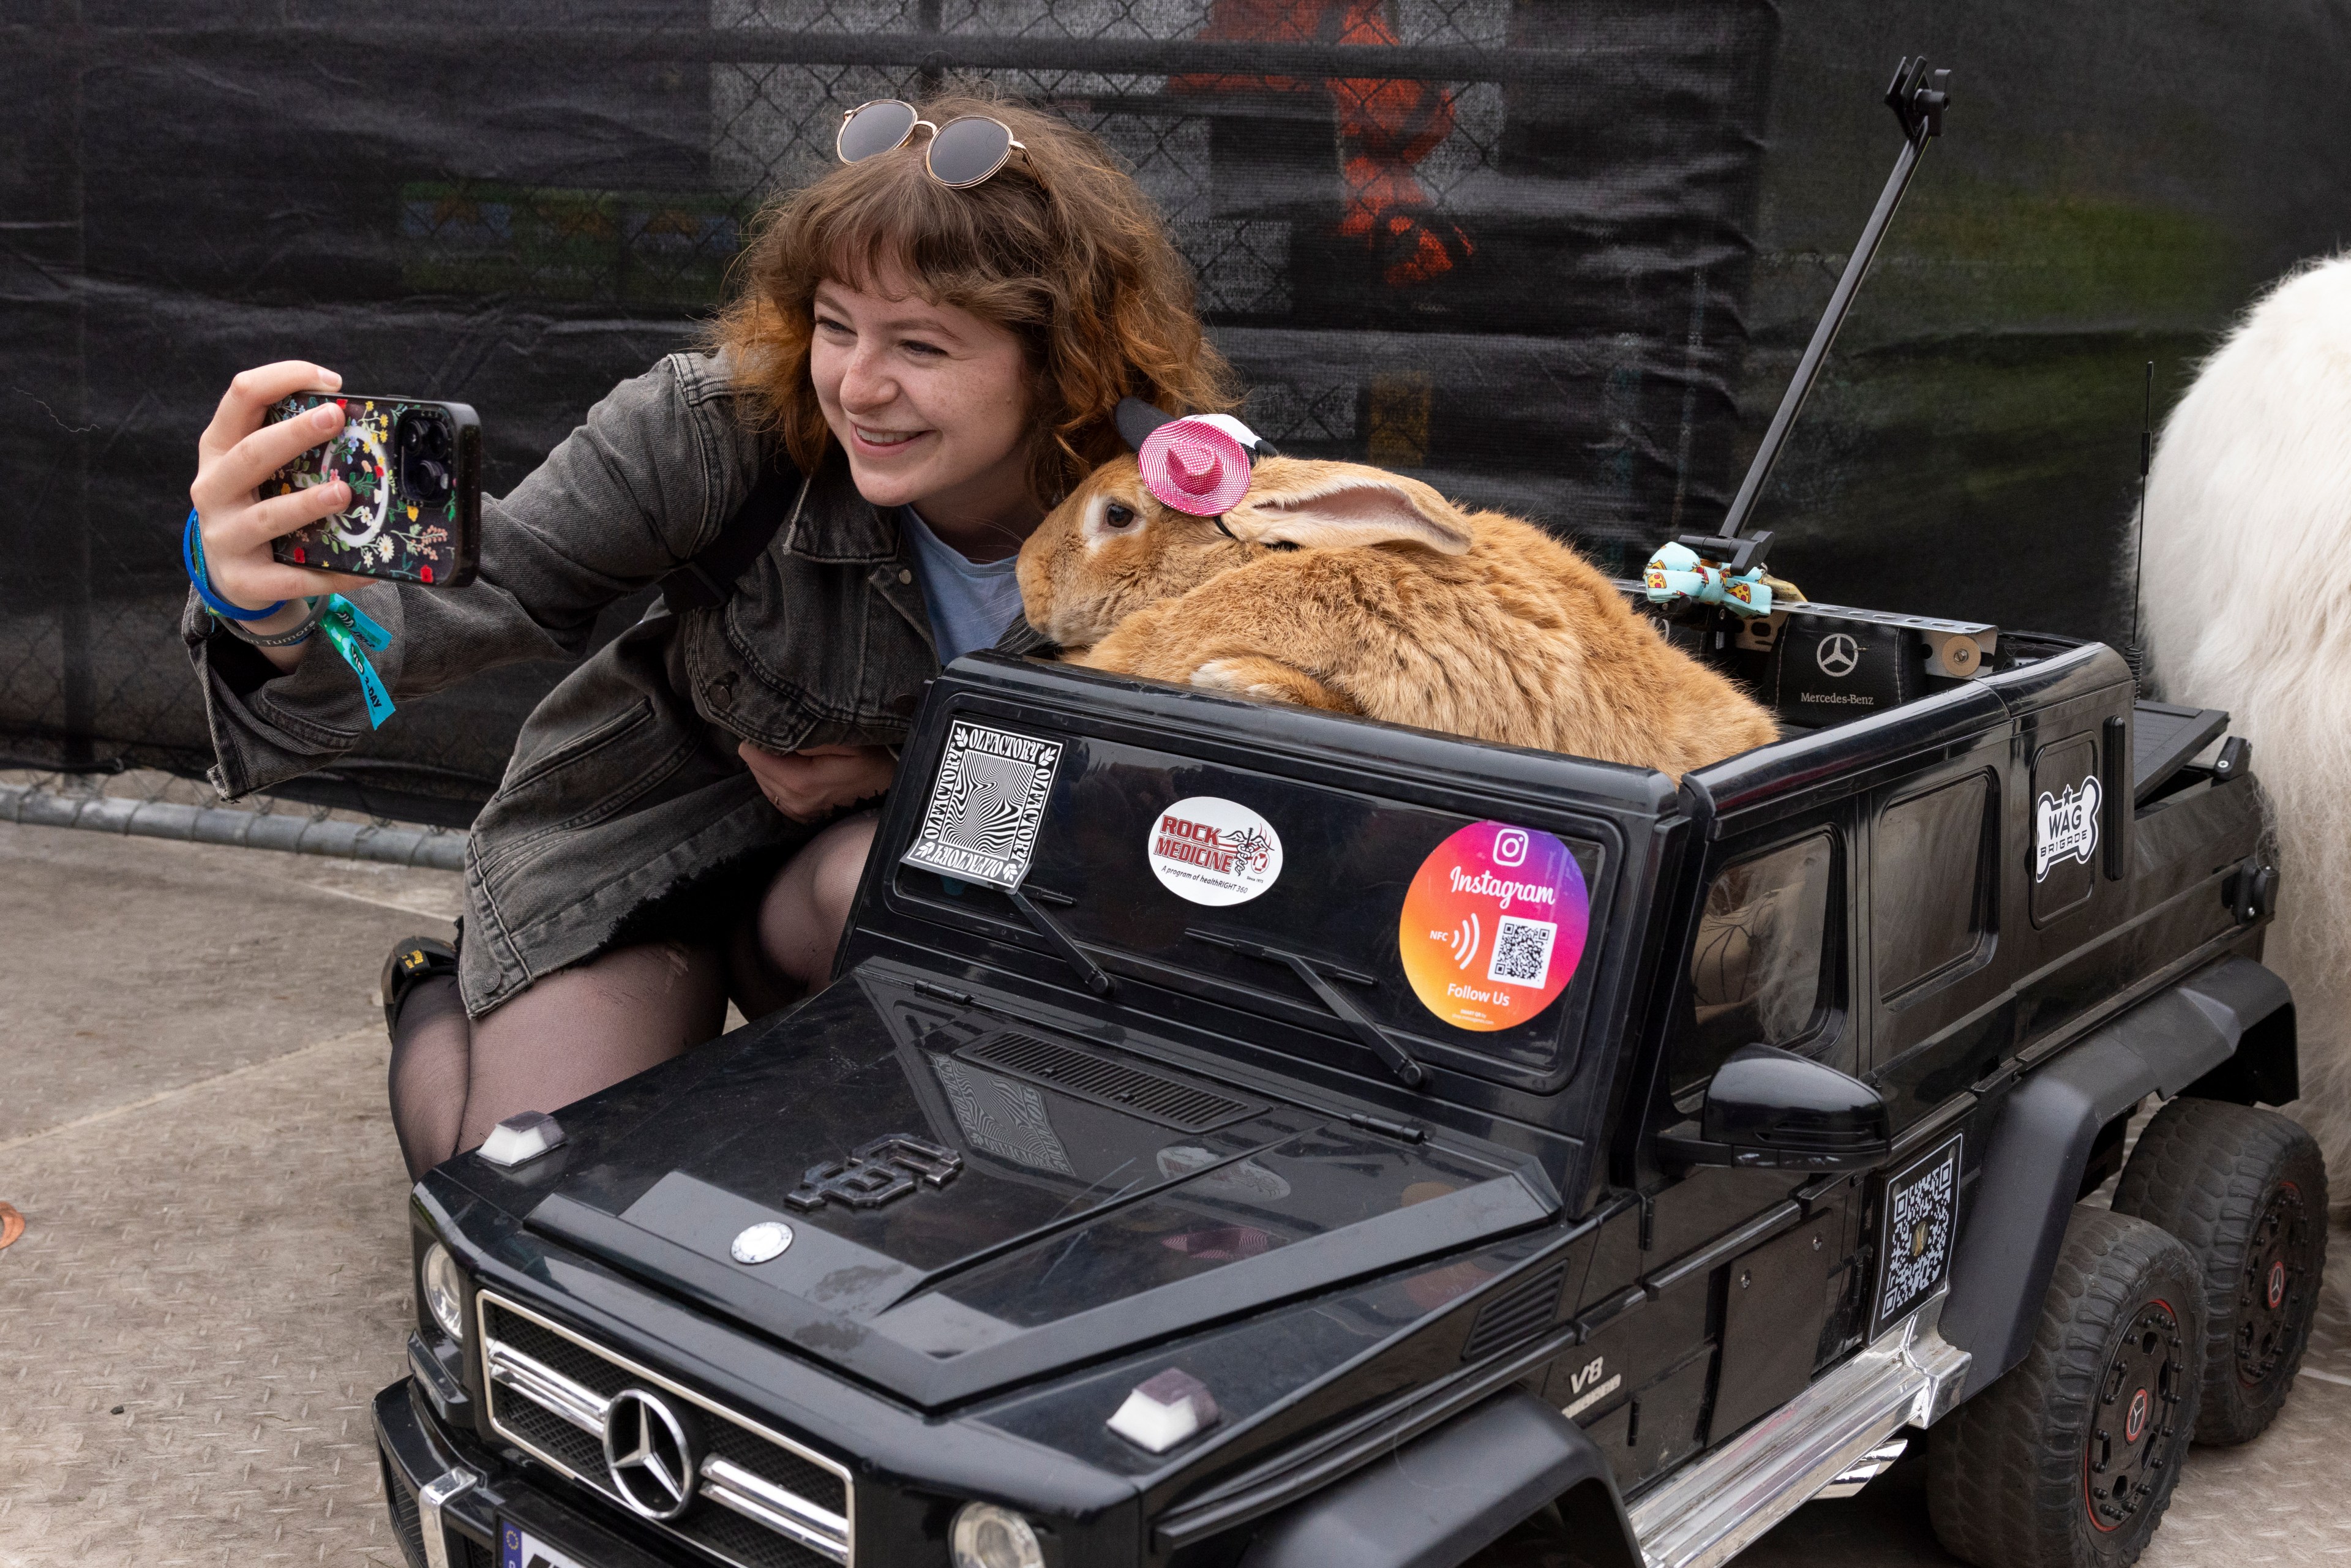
<point>624,787</point>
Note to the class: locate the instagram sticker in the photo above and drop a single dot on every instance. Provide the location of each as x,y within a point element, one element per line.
<point>1493,925</point>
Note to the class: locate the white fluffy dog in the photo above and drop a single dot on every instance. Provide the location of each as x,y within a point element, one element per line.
<point>2248,607</point>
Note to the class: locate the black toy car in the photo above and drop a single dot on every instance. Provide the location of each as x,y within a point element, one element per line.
<point>1110,1231</point>
<point>1239,1134</point>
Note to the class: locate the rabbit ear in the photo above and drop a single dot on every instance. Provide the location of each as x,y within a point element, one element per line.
<point>1352,510</point>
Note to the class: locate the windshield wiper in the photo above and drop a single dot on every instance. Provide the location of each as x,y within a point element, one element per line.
<point>1051,930</point>
<point>1313,971</point>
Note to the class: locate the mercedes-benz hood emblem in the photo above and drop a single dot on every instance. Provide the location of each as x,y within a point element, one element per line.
<point>650,1454</point>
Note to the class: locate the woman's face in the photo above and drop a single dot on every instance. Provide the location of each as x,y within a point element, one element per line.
<point>930,401</point>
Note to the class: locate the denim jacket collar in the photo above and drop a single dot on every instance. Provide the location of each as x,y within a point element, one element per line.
<point>830,522</point>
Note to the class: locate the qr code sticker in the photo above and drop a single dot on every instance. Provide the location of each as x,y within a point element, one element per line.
<point>1521,951</point>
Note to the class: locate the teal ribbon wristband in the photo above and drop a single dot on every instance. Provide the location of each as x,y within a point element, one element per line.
<point>348,627</point>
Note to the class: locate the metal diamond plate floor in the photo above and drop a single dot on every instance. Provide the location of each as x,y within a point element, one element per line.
<point>211,1282</point>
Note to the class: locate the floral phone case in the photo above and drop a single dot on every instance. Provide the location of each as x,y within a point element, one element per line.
<point>415,472</point>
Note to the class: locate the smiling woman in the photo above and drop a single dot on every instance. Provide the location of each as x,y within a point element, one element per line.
<point>914,374</point>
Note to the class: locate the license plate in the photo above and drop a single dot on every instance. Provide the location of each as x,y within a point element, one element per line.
<point>520,1549</point>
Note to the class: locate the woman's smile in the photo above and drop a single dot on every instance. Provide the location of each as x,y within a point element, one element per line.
<point>881,443</point>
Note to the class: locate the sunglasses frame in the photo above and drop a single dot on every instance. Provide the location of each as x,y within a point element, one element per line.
<point>1012,143</point>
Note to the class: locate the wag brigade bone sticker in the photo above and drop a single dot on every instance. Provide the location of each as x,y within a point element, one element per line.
<point>2065,827</point>
<point>1213,851</point>
<point>1493,925</point>
<point>989,796</point>
<point>1922,1214</point>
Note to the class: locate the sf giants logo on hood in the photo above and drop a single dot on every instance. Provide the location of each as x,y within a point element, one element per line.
<point>2065,827</point>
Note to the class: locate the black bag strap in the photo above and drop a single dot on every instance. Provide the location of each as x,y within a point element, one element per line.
<point>709,580</point>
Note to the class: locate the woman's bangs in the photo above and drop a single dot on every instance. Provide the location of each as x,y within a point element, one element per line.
<point>904,227</point>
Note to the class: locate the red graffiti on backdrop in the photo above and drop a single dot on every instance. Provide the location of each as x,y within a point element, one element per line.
<point>1387,126</point>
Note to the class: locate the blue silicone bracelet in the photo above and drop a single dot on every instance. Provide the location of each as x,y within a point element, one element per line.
<point>191,556</point>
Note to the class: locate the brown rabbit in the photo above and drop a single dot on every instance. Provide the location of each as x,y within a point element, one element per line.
<point>1342,586</point>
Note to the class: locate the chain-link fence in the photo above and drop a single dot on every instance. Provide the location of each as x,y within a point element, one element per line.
<point>518,208</point>
<point>1514,246</point>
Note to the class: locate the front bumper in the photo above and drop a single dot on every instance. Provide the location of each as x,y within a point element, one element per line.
<point>448,1507</point>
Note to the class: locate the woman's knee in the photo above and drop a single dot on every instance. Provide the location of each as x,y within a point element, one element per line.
<point>806,906</point>
<point>839,867</point>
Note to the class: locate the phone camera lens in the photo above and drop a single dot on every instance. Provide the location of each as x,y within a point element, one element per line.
<point>426,460</point>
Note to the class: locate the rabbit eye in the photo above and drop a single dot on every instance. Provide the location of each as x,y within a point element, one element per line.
<point>1117,516</point>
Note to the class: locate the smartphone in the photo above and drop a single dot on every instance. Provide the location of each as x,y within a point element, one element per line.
<point>415,472</point>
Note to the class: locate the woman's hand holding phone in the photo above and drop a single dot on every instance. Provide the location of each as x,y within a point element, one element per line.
<point>236,451</point>
<point>815,783</point>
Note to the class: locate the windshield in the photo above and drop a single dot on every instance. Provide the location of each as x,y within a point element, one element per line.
<point>1462,938</point>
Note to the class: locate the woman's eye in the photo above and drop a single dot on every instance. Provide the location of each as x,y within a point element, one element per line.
<point>922,349</point>
<point>827,324</point>
<point>1118,516</point>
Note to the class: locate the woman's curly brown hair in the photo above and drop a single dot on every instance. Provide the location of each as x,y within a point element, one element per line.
<point>1060,247</point>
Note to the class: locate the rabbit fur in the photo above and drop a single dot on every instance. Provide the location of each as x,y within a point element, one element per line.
<point>2247,598</point>
<point>1345,588</point>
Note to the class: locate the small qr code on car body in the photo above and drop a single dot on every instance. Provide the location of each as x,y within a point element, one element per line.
<point>1521,951</point>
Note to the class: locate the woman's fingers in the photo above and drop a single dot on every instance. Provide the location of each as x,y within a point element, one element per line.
<point>250,585</point>
<point>808,784</point>
<point>229,477</point>
<point>252,527</point>
<point>249,396</point>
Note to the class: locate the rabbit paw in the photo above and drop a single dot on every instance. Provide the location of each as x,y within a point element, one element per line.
<point>1269,680</point>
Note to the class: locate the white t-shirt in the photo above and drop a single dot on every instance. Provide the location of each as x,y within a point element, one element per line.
<point>970,602</point>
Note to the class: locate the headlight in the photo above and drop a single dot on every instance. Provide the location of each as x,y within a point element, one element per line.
<point>445,1292</point>
<point>987,1536</point>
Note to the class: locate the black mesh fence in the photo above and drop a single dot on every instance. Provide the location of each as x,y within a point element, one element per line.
<point>1550,254</point>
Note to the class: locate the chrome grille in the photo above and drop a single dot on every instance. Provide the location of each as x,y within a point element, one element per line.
<point>764,1501</point>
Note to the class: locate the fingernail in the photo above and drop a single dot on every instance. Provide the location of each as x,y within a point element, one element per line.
<point>326,416</point>
<point>334,382</point>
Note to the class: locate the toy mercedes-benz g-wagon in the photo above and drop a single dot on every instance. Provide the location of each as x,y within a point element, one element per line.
<point>1245,1135</point>
<point>1242,1134</point>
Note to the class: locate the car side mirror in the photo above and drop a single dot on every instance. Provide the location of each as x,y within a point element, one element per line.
<point>1774,1109</point>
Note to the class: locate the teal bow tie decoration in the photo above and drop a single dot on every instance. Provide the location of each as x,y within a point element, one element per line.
<point>1677,574</point>
<point>348,626</point>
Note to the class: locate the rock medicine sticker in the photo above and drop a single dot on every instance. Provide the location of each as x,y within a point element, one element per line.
<point>1213,851</point>
<point>986,803</point>
<point>1493,925</point>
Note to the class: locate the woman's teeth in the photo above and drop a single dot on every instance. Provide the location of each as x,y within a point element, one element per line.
<point>885,437</point>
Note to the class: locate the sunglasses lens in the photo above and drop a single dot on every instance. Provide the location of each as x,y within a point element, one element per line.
<point>969,149</point>
<point>874,129</point>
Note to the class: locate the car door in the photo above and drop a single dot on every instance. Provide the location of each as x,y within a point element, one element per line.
<point>1734,1289</point>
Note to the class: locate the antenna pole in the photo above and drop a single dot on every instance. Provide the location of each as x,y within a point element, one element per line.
<point>1917,99</point>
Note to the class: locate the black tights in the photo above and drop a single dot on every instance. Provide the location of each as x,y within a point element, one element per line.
<point>588,1026</point>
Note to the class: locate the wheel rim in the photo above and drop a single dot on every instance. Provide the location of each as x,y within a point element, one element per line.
<point>2135,1419</point>
<point>2273,1294</point>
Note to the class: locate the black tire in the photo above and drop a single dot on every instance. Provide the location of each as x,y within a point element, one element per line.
<point>2068,1461</point>
<point>2246,1190</point>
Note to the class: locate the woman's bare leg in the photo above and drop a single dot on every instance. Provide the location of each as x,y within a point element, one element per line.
<point>572,1033</point>
<point>805,909</point>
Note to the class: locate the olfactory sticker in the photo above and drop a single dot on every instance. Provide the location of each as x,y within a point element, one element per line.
<point>986,804</point>
<point>1213,851</point>
<point>1493,925</point>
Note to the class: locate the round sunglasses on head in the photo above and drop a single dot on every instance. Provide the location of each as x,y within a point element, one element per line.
<point>963,152</point>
